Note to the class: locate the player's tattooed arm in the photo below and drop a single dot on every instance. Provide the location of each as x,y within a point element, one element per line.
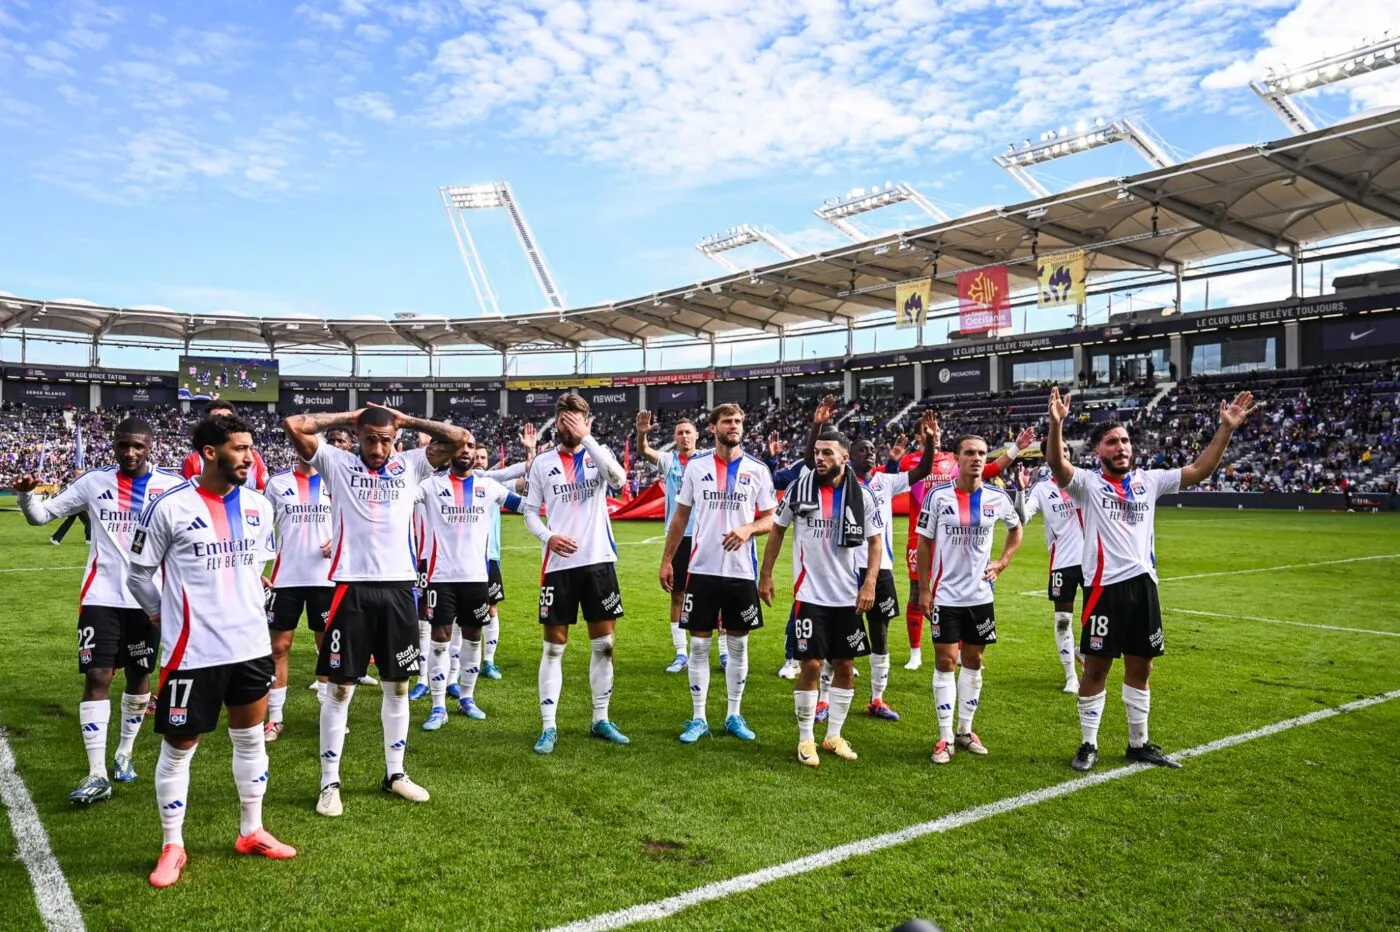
<point>1055,455</point>
<point>304,430</point>
<point>644,426</point>
<point>447,438</point>
<point>1232,415</point>
<point>771,551</point>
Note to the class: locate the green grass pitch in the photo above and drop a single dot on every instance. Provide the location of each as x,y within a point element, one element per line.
<point>1296,830</point>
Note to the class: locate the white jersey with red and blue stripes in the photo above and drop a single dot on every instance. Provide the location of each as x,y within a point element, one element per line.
<point>826,573</point>
<point>372,530</point>
<point>572,490</point>
<point>213,550</point>
<point>301,508</point>
<point>1119,520</point>
<point>883,487</point>
<point>460,511</point>
<point>114,503</point>
<point>961,525</point>
<point>1064,524</point>
<point>722,497</point>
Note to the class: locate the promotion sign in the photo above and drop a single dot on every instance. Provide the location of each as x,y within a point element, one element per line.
<point>305,400</point>
<point>1062,279</point>
<point>911,303</point>
<point>956,378</point>
<point>664,378</point>
<point>677,395</point>
<point>560,385</point>
<point>984,300</point>
<point>139,396</point>
<point>46,374</point>
<point>1361,333</point>
<point>611,398</point>
<point>409,402</point>
<point>45,394</point>
<point>467,401</point>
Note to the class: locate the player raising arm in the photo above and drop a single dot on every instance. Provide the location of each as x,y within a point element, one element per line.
<point>578,572</point>
<point>373,611</point>
<point>1122,616</point>
<point>212,537</point>
<point>1064,537</point>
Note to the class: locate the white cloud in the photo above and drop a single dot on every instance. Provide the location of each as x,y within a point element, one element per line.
<point>48,67</point>
<point>372,33</point>
<point>370,104</point>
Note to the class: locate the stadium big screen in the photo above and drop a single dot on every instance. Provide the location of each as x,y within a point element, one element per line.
<point>229,378</point>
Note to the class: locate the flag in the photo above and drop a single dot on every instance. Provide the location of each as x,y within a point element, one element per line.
<point>79,449</point>
<point>627,456</point>
<point>503,457</point>
<point>984,300</point>
<point>911,301</point>
<point>1062,279</point>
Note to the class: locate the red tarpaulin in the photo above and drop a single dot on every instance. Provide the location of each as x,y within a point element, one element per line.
<point>651,503</point>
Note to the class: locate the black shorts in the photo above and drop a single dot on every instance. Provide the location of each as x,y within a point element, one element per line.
<point>190,700</point>
<point>825,632</point>
<point>288,603</point>
<point>421,591</point>
<point>1122,618</point>
<point>680,565</point>
<point>495,584</point>
<point>966,624</point>
<point>593,589</point>
<point>370,619</point>
<point>116,638</point>
<point>884,611</point>
<point>707,598</point>
<point>464,603</point>
<point>1064,583</point>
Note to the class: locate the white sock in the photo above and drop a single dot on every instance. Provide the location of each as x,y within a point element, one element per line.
<point>551,682</point>
<point>172,791</point>
<point>737,673</point>
<point>945,694</point>
<point>678,638</point>
<point>276,699</point>
<point>879,675</point>
<point>493,637</point>
<point>600,675</point>
<point>93,717</point>
<point>393,715</point>
<point>806,702</point>
<point>471,667</point>
<point>1137,703</point>
<point>437,673</point>
<point>425,649</point>
<point>1090,717</point>
<point>1064,642</point>
<point>321,688</point>
<point>840,706</point>
<point>916,655</point>
<point>824,689</point>
<point>699,670</point>
<point>249,775</point>
<point>456,663</point>
<point>969,693</point>
<point>133,714</point>
<point>335,714</point>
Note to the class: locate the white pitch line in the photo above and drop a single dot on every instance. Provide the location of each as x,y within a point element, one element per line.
<point>1280,621</point>
<point>620,543</point>
<point>1257,569</point>
<point>42,569</point>
<point>716,891</point>
<point>51,892</point>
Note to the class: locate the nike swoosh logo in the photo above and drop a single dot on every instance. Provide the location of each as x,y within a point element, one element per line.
<point>1364,333</point>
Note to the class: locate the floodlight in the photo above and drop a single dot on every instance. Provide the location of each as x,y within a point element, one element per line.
<point>1276,85</point>
<point>743,235</point>
<point>1058,143</point>
<point>457,200</point>
<point>838,211</point>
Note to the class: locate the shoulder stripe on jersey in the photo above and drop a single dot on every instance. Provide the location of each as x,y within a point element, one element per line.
<point>150,510</point>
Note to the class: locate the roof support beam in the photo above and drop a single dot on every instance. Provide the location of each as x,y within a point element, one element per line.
<point>1215,219</point>
<point>974,258</point>
<point>614,332</point>
<point>1121,252</point>
<point>24,317</point>
<point>1360,195</point>
<point>416,340</point>
<point>340,334</point>
<point>828,293</point>
<point>548,337</point>
<point>727,314</point>
<point>663,320</point>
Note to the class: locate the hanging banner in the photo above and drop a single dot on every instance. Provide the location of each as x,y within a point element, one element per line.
<point>911,303</point>
<point>560,385</point>
<point>1062,279</point>
<point>984,300</point>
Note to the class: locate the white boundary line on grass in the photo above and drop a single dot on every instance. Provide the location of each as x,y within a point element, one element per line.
<point>42,569</point>
<point>716,891</point>
<point>1257,569</point>
<point>1280,621</point>
<point>52,895</point>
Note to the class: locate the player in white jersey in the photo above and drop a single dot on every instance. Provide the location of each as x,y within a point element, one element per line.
<point>1122,616</point>
<point>1064,537</point>
<point>113,632</point>
<point>955,528</point>
<point>373,564</point>
<point>301,508</point>
<point>883,486</point>
<point>459,505</point>
<point>726,499</point>
<point>211,537</point>
<point>831,595</point>
<point>578,571</point>
<point>513,477</point>
<point>671,465</point>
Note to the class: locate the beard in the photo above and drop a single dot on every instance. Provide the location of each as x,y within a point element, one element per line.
<point>233,470</point>
<point>830,477</point>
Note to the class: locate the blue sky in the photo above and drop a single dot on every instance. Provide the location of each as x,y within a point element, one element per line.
<point>283,157</point>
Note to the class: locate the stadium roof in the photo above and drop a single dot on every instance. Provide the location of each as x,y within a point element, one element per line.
<point>1273,197</point>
